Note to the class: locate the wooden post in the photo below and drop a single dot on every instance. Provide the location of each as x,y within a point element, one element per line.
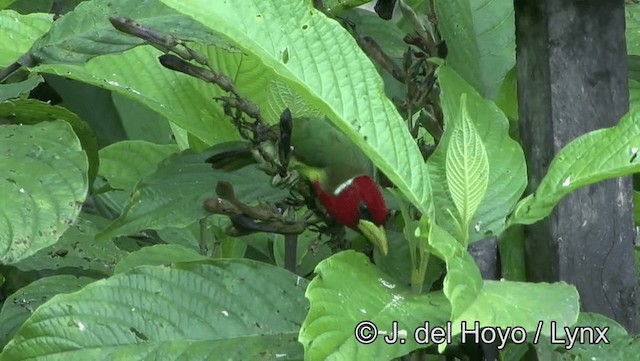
<point>572,79</point>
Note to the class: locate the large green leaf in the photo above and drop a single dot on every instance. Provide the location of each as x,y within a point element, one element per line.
<point>19,32</point>
<point>93,104</point>
<point>142,123</point>
<point>499,303</point>
<point>512,246</point>
<point>337,6</point>
<point>502,304</point>
<point>172,196</point>
<point>19,89</point>
<point>32,111</point>
<point>19,306</point>
<point>76,249</point>
<point>480,36</point>
<point>41,6</point>
<point>227,309</point>
<point>617,346</point>
<point>507,167</point>
<point>590,158</point>
<point>324,71</point>
<point>57,7</point>
<point>5,3</point>
<point>86,32</point>
<point>507,98</point>
<point>42,188</point>
<point>158,254</point>
<point>183,100</point>
<point>466,167</point>
<point>348,290</point>
<point>385,33</point>
<point>125,163</point>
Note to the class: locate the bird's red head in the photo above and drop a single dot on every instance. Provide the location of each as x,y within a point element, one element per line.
<point>355,199</point>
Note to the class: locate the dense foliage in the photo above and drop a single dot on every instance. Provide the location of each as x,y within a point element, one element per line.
<point>113,240</point>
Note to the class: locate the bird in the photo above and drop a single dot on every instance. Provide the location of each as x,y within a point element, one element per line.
<point>341,175</point>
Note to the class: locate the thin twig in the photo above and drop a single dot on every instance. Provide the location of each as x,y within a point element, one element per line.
<point>375,52</point>
<point>251,219</point>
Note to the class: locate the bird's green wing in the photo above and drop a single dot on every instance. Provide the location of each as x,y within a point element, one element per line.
<point>326,153</point>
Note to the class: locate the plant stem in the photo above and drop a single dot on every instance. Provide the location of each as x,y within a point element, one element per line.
<point>204,236</point>
<point>290,252</point>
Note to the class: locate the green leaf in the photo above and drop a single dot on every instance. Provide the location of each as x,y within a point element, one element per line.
<point>173,195</point>
<point>184,236</point>
<point>331,82</point>
<point>125,163</point>
<point>463,281</point>
<point>5,3</point>
<point>514,352</point>
<point>19,306</point>
<point>506,304</point>
<point>335,7</point>
<point>78,249</point>
<point>384,32</point>
<point>19,32</point>
<point>498,303</point>
<point>510,304</point>
<point>507,98</point>
<point>43,186</point>
<point>389,37</point>
<point>183,100</point>
<point>86,32</point>
<point>159,254</point>
<point>140,122</point>
<point>507,167</point>
<point>32,111</point>
<point>15,90</point>
<point>395,263</point>
<point>480,36</point>
<point>591,158</point>
<point>621,346</point>
<point>512,246</point>
<point>632,28</point>
<point>634,93</point>
<point>226,309</point>
<point>93,104</point>
<point>466,167</point>
<point>41,6</point>
<point>349,289</point>
<point>226,246</point>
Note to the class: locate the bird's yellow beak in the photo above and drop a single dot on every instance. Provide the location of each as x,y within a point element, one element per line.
<point>375,234</point>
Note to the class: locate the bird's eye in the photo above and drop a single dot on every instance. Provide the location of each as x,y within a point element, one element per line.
<point>364,212</point>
